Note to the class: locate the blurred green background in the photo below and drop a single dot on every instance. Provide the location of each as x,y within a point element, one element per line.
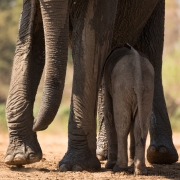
<point>9,16</point>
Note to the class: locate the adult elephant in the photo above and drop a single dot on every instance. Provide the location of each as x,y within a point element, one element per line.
<point>95,27</point>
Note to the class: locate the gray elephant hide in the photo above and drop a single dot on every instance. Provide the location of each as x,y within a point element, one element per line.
<point>129,87</point>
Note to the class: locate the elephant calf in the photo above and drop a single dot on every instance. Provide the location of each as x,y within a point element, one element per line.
<point>129,87</point>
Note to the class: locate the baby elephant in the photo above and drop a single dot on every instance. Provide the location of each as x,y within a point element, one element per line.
<point>128,87</point>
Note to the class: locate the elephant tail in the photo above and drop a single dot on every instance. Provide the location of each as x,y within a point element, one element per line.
<point>139,91</point>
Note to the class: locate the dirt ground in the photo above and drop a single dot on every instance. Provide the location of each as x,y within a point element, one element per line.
<point>54,147</point>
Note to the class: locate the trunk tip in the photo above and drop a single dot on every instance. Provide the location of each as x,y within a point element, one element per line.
<point>37,126</point>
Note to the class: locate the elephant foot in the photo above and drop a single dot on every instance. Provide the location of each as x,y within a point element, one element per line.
<point>79,161</point>
<point>110,164</point>
<point>140,171</point>
<point>161,155</point>
<point>23,151</point>
<point>161,149</point>
<point>117,168</point>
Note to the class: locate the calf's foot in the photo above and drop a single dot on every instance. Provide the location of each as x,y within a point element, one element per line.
<point>140,171</point>
<point>23,150</point>
<point>110,164</point>
<point>117,168</point>
<point>75,160</point>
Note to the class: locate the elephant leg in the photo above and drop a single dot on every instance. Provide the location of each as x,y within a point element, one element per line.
<point>91,39</point>
<point>161,149</point>
<point>132,146</point>
<point>27,70</point>
<point>139,158</point>
<point>111,131</point>
<point>102,143</point>
<point>140,141</point>
<point>122,119</point>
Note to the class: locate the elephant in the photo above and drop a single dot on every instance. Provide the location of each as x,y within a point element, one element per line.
<point>129,86</point>
<point>91,29</point>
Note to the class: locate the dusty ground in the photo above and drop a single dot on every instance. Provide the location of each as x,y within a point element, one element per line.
<point>54,147</point>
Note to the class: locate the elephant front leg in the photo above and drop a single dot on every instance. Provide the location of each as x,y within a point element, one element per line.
<point>161,149</point>
<point>27,70</point>
<point>91,41</point>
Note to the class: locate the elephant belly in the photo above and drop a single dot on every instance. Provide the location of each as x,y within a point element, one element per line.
<point>131,18</point>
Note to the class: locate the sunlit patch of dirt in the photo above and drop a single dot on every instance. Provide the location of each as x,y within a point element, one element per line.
<point>54,147</point>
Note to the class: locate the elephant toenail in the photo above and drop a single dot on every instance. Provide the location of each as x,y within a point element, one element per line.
<point>19,157</point>
<point>163,150</point>
<point>8,158</point>
<point>32,157</point>
<point>63,168</point>
<point>77,168</point>
<point>152,149</point>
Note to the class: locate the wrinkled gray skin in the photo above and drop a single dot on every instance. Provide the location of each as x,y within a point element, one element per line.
<point>43,43</point>
<point>129,87</point>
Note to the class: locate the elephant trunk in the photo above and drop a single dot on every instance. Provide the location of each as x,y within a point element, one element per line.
<point>55,22</point>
